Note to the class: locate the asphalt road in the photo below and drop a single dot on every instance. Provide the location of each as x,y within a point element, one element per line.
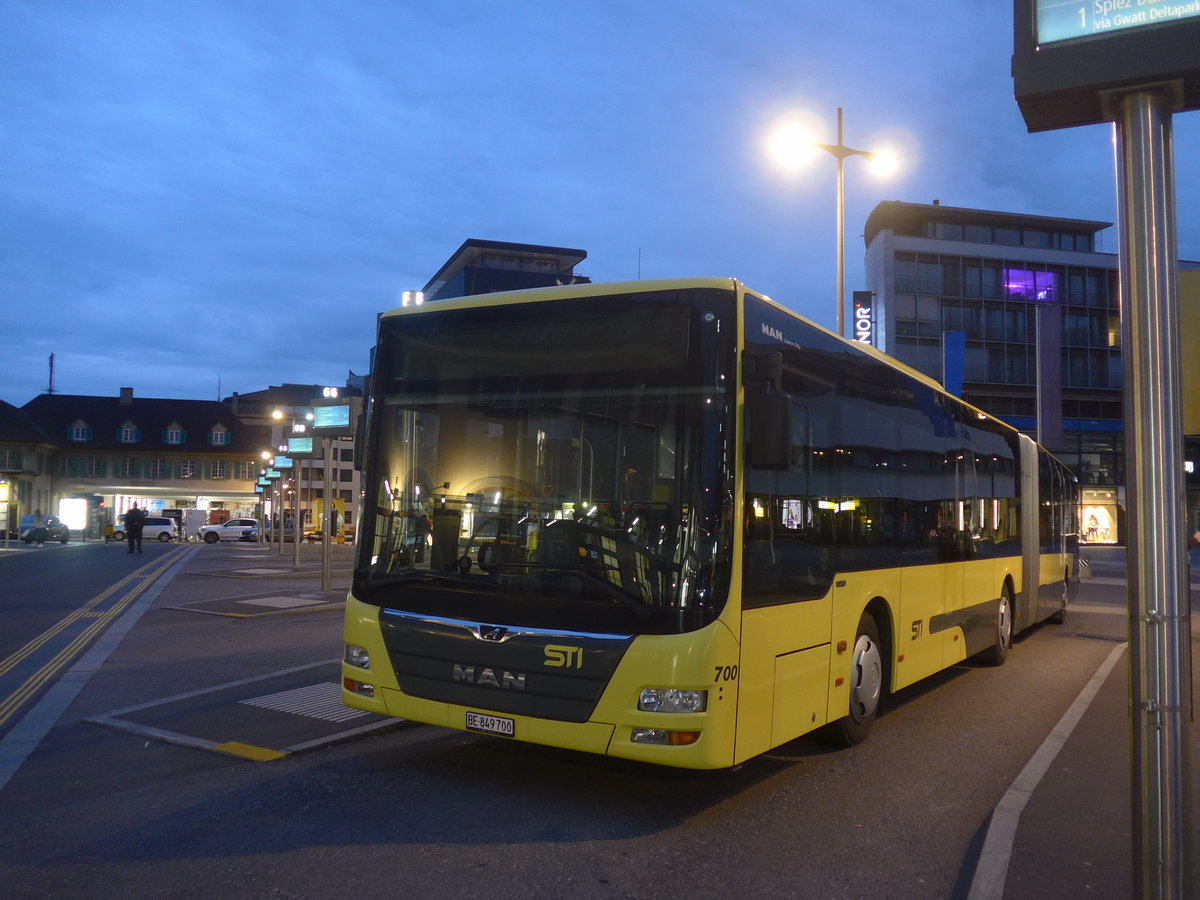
<point>93,811</point>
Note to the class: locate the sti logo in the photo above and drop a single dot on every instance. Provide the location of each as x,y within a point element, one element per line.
<point>560,656</point>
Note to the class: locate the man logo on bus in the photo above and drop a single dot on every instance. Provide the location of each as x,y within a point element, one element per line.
<point>488,678</point>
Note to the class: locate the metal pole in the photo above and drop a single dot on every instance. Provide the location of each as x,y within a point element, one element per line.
<point>1037,349</point>
<point>327,517</point>
<point>297,531</point>
<point>1159,629</point>
<point>279,512</point>
<point>841,232</point>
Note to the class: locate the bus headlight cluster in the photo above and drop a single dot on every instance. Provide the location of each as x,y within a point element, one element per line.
<point>357,656</point>
<point>670,700</point>
<point>359,687</point>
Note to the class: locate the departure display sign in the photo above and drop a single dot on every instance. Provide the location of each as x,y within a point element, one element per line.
<point>1073,60</point>
<point>335,416</point>
<point>1068,20</point>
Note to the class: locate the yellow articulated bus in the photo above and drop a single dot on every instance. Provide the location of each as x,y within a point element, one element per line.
<point>672,521</point>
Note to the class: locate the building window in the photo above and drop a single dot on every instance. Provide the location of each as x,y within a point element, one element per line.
<point>93,466</point>
<point>11,459</point>
<point>127,467</point>
<point>79,432</point>
<point>158,468</point>
<point>247,471</point>
<point>174,435</point>
<point>219,436</point>
<point>217,468</point>
<point>187,468</point>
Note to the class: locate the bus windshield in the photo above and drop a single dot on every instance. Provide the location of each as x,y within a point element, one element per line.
<point>558,464</point>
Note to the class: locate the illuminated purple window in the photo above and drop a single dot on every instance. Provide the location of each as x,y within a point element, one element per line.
<point>1025,284</point>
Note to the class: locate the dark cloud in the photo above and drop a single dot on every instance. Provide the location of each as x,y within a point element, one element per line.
<point>230,191</point>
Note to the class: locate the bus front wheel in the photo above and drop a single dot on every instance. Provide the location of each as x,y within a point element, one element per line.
<point>866,686</point>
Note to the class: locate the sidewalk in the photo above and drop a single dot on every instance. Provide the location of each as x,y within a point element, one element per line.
<point>1073,823</point>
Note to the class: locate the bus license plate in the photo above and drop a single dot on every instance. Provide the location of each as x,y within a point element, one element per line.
<point>490,724</point>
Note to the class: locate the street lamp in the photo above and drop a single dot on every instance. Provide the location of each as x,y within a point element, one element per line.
<point>790,145</point>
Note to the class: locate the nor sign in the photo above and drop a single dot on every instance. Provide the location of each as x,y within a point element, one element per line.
<point>1068,55</point>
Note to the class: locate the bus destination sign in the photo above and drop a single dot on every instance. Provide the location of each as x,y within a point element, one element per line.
<point>1066,20</point>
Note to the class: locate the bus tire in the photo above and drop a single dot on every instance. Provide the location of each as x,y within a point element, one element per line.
<point>1002,629</point>
<point>866,687</point>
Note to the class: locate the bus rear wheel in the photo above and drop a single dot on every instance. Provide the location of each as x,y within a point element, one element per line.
<point>866,687</point>
<point>1002,629</point>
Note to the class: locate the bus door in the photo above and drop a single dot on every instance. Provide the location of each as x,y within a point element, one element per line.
<point>979,585</point>
<point>927,509</point>
<point>787,578</point>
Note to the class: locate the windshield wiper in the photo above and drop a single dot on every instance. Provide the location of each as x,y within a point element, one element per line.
<point>635,604</point>
<point>415,576</point>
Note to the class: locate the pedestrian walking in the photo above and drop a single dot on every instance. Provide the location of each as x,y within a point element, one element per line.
<point>134,520</point>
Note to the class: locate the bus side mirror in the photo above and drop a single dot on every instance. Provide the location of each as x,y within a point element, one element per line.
<point>770,429</point>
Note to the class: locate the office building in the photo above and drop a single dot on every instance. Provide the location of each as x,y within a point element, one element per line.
<point>992,304</point>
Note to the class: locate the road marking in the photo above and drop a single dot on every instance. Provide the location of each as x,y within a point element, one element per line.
<point>248,751</point>
<point>280,602</point>
<point>25,735</point>
<point>317,701</point>
<point>119,719</point>
<point>992,868</point>
<point>96,620</point>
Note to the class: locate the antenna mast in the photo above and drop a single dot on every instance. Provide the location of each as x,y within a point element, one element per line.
<point>50,390</point>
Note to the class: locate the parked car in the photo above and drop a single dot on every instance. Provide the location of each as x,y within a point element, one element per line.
<point>55,531</point>
<point>230,530</point>
<point>156,528</point>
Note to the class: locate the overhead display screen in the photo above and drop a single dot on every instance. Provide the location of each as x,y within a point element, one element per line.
<point>338,416</point>
<point>1066,20</point>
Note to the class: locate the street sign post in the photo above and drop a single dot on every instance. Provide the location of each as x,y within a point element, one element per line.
<point>1135,63</point>
<point>333,417</point>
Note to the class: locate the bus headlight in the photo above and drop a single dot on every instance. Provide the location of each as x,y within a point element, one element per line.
<point>670,700</point>
<point>357,657</point>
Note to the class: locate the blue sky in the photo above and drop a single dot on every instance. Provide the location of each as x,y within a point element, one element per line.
<point>198,198</point>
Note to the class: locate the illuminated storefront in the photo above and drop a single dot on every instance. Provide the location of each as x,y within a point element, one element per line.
<point>1098,515</point>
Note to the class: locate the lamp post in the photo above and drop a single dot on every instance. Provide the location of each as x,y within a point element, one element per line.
<point>882,161</point>
<point>794,143</point>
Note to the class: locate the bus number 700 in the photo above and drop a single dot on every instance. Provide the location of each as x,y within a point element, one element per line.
<point>726,673</point>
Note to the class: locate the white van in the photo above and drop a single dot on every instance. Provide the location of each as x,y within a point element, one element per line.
<point>159,528</point>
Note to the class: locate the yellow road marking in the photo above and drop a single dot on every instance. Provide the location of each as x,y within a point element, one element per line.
<point>249,751</point>
<point>101,620</point>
